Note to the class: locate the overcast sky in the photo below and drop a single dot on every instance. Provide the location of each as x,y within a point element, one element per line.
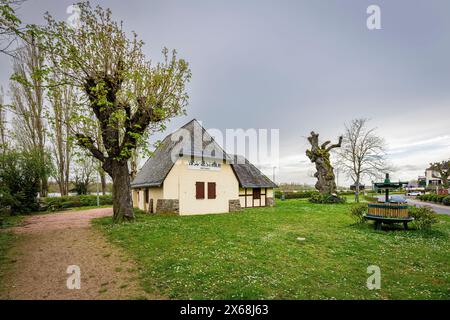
<point>299,66</point>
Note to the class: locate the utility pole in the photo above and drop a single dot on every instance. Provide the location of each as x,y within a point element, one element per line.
<point>274,167</point>
<point>98,196</point>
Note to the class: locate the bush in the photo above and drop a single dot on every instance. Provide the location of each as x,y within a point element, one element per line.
<point>19,181</point>
<point>423,197</point>
<point>295,195</point>
<point>358,212</point>
<point>326,198</point>
<point>424,217</point>
<point>446,201</point>
<point>64,202</point>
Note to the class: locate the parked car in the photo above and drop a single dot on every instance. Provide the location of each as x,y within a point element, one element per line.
<point>414,193</point>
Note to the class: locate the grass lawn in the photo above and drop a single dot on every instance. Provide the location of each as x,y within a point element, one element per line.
<point>255,254</point>
<point>6,240</point>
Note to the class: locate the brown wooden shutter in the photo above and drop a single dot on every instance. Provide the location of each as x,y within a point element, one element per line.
<point>256,193</point>
<point>200,190</point>
<point>211,190</point>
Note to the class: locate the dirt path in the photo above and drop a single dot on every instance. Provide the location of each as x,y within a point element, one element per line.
<point>50,243</point>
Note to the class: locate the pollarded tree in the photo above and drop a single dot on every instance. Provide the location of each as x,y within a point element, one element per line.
<point>443,171</point>
<point>319,154</point>
<point>124,94</point>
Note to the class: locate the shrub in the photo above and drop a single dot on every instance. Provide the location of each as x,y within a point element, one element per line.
<point>326,198</point>
<point>64,202</point>
<point>423,197</point>
<point>358,212</point>
<point>19,181</point>
<point>295,195</point>
<point>446,201</point>
<point>424,217</point>
<point>438,198</point>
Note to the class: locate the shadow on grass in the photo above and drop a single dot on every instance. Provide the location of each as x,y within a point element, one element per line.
<point>398,229</point>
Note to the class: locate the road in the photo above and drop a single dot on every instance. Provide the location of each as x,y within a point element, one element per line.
<point>436,207</point>
<point>440,209</point>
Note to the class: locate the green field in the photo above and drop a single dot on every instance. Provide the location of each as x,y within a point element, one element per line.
<point>255,254</point>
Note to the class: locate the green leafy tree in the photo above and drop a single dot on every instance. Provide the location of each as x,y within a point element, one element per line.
<point>27,95</point>
<point>443,171</point>
<point>123,94</point>
<point>62,104</point>
<point>10,25</point>
<point>20,181</point>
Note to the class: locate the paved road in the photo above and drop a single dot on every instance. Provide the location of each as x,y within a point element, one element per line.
<point>440,209</point>
<point>436,207</point>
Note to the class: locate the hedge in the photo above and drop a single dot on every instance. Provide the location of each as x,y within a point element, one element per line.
<point>370,198</point>
<point>295,195</point>
<point>438,198</point>
<point>64,202</point>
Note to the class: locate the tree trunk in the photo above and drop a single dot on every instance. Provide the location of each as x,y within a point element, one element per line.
<point>44,177</point>
<point>320,156</point>
<point>357,191</point>
<point>103,180</point>
<point>121,193</point>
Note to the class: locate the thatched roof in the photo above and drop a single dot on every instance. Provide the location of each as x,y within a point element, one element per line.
<point>250,176</point>
<point>192,139</point>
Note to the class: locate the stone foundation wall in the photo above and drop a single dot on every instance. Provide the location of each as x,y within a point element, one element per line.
<point>234,205</point>
<point>270,202</point>
<point>168,206</point>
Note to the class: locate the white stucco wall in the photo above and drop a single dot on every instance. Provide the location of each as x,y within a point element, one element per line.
<point>155,193</point>
<point>180,184</point>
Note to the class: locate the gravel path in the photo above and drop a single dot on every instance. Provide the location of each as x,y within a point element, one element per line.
<point>49,243</point>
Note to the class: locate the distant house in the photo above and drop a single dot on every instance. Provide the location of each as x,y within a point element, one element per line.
<point>432,178</point>
<point>189,173</point>
<point>361,187</point>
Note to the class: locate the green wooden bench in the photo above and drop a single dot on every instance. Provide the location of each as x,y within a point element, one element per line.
<point>388,220</point>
